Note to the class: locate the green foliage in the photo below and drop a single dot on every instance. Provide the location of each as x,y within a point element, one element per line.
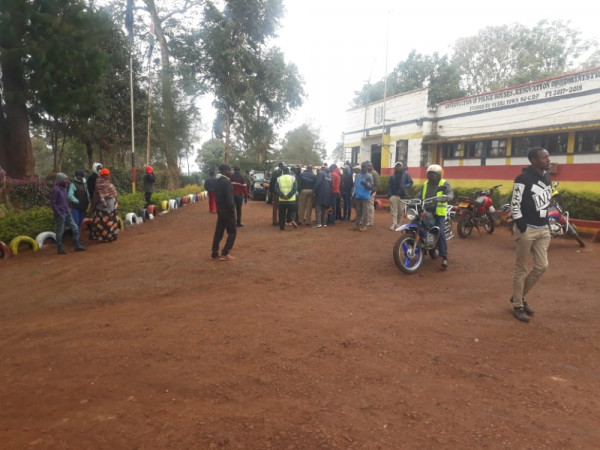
<point>304,145</point>
<point>25,194</point>
<point>26,223</point>
<point>581,205</point>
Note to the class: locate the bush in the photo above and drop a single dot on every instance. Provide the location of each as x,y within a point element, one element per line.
<point>26,223</point>
<point>26,194</point>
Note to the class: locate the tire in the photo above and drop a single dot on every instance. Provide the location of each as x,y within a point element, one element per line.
<point>143,214</point>
<point>87,223</point>
<point>43,236</point>
<point>151,210</point>
<point>130,219</point>
<point>173,204</point>
<point>402,258</point>
<point>14,244</point>
<point>5,251</point>
<point>121,224</point>
<point>572,231</point>
<point>179,201</point>
<point>488,225</point>
<point>464,226</point>
<point>164,205</point>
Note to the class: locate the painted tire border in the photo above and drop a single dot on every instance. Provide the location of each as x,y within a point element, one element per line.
<point>41,238</point>
<point>14,244</point>
<point>5,251</point>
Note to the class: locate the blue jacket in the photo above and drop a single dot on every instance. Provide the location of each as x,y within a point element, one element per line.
<point>363,191</point>
<point>397,185</point>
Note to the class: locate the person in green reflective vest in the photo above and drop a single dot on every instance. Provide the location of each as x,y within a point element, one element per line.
<point>286,189</point>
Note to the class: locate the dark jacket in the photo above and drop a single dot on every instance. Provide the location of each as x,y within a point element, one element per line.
<point>322,188</point>
<point>531,198</point>
<point>224,194</point>
<point>59,201</point>
<point>210,183</point>
<point>273,180</point>
<point>398,185</point>
<point>307,180</point>
<point>78,194</point>
<point>91,184</point>
<point>347,183</point>
<point>149,180</point>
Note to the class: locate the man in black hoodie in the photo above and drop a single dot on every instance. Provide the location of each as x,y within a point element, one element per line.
<point>225,215</point>
<point>529,206</point>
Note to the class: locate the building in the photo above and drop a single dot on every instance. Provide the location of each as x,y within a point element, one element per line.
<point>483,139</point>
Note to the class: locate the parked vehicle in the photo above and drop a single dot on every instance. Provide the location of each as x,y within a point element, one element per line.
<point>421,235</point>
<point>257,186</point>
<point>478,210</point>
<point>558,219</point>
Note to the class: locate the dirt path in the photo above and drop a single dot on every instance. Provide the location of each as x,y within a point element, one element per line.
<point>311,339</point>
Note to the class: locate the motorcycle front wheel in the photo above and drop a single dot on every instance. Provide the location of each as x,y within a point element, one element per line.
<point>406,256</point>
<point>465,226</point>
<point>488,224</point>
<point>572,231</point>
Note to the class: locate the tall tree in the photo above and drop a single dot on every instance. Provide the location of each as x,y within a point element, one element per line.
<point>304,145</point>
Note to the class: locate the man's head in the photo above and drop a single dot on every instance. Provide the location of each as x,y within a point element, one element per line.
<point>369,166</point>
<point>309,168</point>
<point>225,169</point>
<point>105,173</point>
<point>285,169</point>
<point>434,173</point>
<point>212,172</point>
<point>539,158</point>
<point>398,167</point>
<point>236,169</point>
<point>79,174</point>
<point>364,167</point>
<point>149,169</point>
<point>62,179</point>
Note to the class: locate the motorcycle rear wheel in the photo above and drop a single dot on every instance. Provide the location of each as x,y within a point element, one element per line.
<point>464,226</point>
<point>404,257</point>
<point>572,231</point>
<point>488,224</point>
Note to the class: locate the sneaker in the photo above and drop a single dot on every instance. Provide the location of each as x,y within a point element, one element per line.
<point>213,258</point>
<point>528,310</point>
<point>393,228</point>
<point>80,248</point>
<point>294,224</point>
<point>226,258</point>
<point>318,225</point>
<point>520,314</point>
<point>240,224</point>
<point>362,229</point>
<point>444,263</point>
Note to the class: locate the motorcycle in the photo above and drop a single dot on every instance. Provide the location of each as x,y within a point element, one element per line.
<point>421,235</point>
<point>477,212</point>
<point>558,219</point>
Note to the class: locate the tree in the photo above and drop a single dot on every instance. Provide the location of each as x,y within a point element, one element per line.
<point>304,145</point>
<point>210,155</point>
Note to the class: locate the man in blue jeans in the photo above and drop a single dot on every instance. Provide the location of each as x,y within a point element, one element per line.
<point>62,214</point>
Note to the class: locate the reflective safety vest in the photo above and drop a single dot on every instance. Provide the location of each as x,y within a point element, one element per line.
<point>440,209</point>
<point>286,183</point>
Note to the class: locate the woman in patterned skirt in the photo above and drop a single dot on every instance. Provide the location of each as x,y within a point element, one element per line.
<point>105,222</point>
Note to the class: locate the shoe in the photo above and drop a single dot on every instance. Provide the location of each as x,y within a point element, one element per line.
<point>520,314</point>
<point>61,251</point>
<point>362,229</point>
<point>393,228</point>
<point>318,225</point>
<point>213,258</point>
<point>528,310</point>
<point>80,248</point>
<point>226,258</point>
<point>240,224</point>
<point>444,263</point>
<point>294,224</point>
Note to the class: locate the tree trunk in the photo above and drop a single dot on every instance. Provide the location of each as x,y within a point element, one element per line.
<point>227,138</point>
<point>90,153</point>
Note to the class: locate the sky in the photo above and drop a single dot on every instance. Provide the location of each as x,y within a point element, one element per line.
<point>338,45</point>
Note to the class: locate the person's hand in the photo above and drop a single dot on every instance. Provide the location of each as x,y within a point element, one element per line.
<point>245,200</point>
<point>521,225</point>
<point>443,189</point>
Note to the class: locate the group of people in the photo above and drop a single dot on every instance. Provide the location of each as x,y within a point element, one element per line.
<point>531,196</point>
<point>73,200</point>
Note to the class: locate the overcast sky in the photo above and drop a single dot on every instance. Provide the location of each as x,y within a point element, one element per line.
<point>338,44</point>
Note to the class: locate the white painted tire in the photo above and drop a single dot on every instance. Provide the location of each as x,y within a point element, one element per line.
<point>43,236</point>
<point>139,220</point>
<point>192,198</point>
<point>173,204</point>
<point>130,219</point>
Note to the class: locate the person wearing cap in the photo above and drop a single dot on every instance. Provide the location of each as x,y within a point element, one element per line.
<point>149,180</point>
<point>286,189</point>
<point>225,215</point>
<point>346,192</point>
<point>371,206</point>
<point>436,186</point>
<point>363,185</point>
<point>240,193</point>
<point>105,221</point>
<point>398,186</point>
<point>62,215</point>
<point>78,198</point>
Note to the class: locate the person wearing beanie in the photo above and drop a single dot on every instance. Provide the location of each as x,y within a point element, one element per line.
<point>62,214</point>
<point>149,180</point>
<point>78,198</point>
<point>225,215</point>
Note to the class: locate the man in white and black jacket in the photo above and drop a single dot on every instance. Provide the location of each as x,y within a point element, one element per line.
<point>531,195</point>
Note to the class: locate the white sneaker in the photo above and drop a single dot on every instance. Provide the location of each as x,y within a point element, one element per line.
<point>393,227</point>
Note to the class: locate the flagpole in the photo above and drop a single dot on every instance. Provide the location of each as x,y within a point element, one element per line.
<point>129,26</point>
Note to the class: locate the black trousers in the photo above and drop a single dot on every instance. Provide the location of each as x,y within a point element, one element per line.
<point>238,200</point>
<point>225,221</point>
<point>287,213</point>
<point>148,196</point>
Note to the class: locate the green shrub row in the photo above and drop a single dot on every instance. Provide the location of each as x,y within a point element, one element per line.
<point>37,219</point>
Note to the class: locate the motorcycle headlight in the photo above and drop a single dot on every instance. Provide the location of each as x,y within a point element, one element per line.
<point>411,214</point>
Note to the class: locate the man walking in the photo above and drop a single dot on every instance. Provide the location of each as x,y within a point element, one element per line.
<point>371,205</point>
<point>531,195</point>
<point>209,185</point>
<point>307,196</point>
<point>398,185</point>
<point>225,215</point>
<point>240,193</point>
<point>78,198</point>
<point>346,192</point>
<point>149,180</point>
<point>363,185</point>
<point>322,192</point>
<point>286,189</point>
<point>62,214</point>
<point>274,197</point>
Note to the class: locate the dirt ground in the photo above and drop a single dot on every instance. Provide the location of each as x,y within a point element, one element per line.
<point>310,339</point>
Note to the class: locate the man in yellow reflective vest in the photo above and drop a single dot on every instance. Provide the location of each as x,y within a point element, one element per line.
<point>286,189</point>
<point>436,186</point>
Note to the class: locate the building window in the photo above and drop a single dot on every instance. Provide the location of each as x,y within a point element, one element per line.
<point>556,144</point>
<point>452,150</point>
<point>402,152</point>
<point>378,116</point>
<point>476,149</point>
<point>354,157</point>
<point>497,148</point>
<point>587,142</point>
